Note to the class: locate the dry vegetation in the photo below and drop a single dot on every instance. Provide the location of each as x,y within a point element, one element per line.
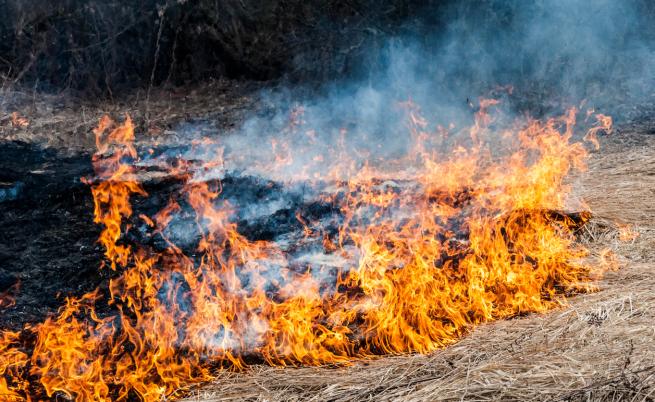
<point>67,123</point>
<point>600,347</point>
<point>100,48</point>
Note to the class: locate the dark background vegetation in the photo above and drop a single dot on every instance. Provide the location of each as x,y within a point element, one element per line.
<point>102,46</point>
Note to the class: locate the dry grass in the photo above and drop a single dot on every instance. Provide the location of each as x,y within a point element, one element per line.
<point>599,347</point>
<point>67,124</point>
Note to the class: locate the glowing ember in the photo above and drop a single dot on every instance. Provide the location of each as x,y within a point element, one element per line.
<point>414,252</point>
<point>8,297</point>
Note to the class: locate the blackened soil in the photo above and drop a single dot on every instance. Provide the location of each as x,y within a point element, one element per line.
<point>47,235</point>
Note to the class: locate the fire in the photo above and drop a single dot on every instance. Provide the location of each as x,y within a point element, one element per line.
<point>8,297</point>
<point>603,124</point>
<point>425,247</point>
<point>112,194</point>
<point>13,382</point>
<point>627,233</point>
<point>19,121</point>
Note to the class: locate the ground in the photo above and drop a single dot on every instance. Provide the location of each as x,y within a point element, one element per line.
<point>599,346</point>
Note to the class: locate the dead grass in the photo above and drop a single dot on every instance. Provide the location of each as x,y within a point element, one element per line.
<point>599,347</point>
<point>67,124</point>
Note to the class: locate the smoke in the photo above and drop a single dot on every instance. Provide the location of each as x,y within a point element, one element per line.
<point>537,58</point>
<point>289,175</point>
<point>553,51</point>
<point>540,57</point>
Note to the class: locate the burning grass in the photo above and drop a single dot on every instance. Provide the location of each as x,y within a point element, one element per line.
<point>428,245</point>
<point>599,347</point>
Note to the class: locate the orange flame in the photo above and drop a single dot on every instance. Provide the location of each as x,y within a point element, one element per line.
<point>430,245</point>
<point>8,297</point>
<point>19,121</point>
<point>604,123</point>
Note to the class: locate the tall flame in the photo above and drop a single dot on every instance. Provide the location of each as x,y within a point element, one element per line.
<point>459,238</point>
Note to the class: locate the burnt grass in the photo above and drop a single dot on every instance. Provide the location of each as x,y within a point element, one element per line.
<point>48,244</point>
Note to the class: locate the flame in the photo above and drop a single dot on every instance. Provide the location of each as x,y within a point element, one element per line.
<point>627,233</point>
<point>603,124</point>
<point>8,297</point>
<point>19,121</point>
<point>111,195</point>
<point>13,382</point>
<point>430,245</point>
